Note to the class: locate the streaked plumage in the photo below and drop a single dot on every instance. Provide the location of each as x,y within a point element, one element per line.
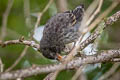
<point>60,30</point>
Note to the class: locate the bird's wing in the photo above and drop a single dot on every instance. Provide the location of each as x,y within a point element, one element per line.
<point>62,27</point>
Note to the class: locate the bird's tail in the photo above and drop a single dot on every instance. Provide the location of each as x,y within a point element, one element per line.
<point>78,12</point>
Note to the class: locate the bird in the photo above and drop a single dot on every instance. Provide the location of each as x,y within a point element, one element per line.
<point>61,29</point>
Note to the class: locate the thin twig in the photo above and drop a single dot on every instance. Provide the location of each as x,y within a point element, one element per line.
<point>41,13</point>
<point>90,10</point>
<point>95,13</point>
<point>27,13</point>
<point>116,60</point>
<point>78,72</point>
<point>49,76</point>
<point>23,42</point>
<point>1,66</point>
<point>5,19</point>
<point>110,72</point>
<point>18,59</point>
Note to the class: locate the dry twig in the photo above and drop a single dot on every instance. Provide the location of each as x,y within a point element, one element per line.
<point>110,72</point>
<point>95,13</point>
<point>23,42</point>
<point>18,59</point>
<point>1,66</point>
<point>78,72</point>
<point>41,13</point>
<point>27,13</point>
<point>5,19</point>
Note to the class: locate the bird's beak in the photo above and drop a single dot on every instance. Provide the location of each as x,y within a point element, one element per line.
<point>59,57</point>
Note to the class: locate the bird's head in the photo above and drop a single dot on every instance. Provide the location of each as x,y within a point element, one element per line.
<point>48,53</point>
<point>46,50</point>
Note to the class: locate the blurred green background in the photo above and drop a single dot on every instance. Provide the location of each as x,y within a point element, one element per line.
<point>16,27</point>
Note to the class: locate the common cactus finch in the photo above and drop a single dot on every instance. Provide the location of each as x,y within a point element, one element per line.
<point>61,29</point>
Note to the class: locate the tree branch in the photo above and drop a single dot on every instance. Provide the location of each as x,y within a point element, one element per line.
<point>104,56</point>
<point>22,42</point>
